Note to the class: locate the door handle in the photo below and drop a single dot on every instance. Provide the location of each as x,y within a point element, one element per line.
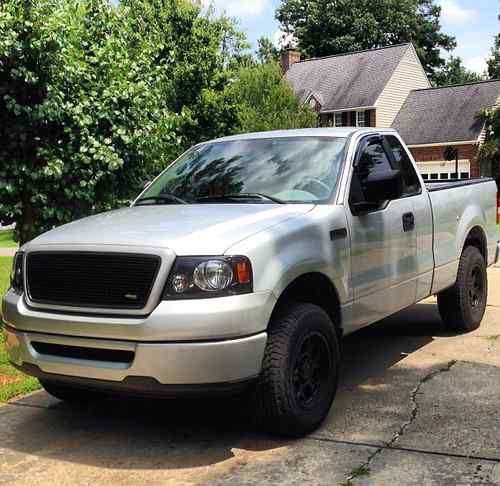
<point>338,234</point>
<point>408,222</point>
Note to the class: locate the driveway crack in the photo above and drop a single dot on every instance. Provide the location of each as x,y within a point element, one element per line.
<point>365,467</point>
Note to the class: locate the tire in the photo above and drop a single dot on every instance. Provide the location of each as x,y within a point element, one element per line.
<point>299,375</point>
<point>69,393</point>
<point>462,306</point>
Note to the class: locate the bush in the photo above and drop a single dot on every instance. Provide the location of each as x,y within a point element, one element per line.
<point>266,101</point>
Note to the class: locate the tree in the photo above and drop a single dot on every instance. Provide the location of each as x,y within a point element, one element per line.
<point>494,60</point>
<point>454,72</point>
<point>336,26</point>
<point>267,102</point>
<point>266,51</point>
<point>94,99</point>
<point>489,155</point>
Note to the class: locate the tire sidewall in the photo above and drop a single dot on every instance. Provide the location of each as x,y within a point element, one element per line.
<point>315,320</point>
<point>472,258</point>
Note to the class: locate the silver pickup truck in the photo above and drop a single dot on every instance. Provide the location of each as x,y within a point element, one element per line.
<point>241,267</point>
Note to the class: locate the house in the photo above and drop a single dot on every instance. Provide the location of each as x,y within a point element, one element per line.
<point>433,119</point>
<point>388,87</point>
<point>365,88</point>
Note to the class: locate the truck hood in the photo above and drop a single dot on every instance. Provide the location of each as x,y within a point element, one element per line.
<point>203,229</point>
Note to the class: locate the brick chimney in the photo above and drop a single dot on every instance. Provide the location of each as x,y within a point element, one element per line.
<point>289,56</point>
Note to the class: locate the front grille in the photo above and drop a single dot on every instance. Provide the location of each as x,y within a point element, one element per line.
<point>78,352</point>
<point>87,279</point>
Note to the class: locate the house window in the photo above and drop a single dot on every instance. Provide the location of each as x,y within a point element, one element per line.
<point>425,176</point>
<point>443,175</point>
<point>464,175</point>
<point>361,119</point>
<point>339,119</point>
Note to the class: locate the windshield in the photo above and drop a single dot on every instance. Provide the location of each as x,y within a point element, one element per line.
<point>299,169</point>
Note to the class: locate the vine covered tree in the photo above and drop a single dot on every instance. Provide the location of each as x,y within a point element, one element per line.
<point>94,99</point>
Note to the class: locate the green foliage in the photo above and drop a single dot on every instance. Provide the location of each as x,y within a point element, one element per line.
<point>266,102</point>
<point>350,25</point>
<point>266,51</point>
<point>94,99</point>
<point>489,155</point>
<point>454,72</point>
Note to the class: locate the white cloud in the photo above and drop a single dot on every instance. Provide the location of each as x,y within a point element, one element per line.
<point>454,13</point>
<point>477,64</point>
<point>239,8</point>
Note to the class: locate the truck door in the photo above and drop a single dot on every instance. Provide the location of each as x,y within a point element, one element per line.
<point>383,236</point>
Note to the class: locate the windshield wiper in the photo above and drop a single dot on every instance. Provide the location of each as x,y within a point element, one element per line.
<point>162,198</point>
<point>241,195</point>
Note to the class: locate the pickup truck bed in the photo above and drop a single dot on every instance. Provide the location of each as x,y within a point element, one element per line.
<point>433,186</point>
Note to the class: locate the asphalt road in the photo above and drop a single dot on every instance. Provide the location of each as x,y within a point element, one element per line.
<point>416,406</point>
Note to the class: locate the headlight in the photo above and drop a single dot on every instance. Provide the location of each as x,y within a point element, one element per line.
<point>16,275</point>
<point>202,277</point>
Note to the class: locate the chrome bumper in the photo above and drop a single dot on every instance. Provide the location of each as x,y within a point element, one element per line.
<point>167,363</point>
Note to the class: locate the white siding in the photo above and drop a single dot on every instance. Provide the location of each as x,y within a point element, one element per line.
<point>409,75</point>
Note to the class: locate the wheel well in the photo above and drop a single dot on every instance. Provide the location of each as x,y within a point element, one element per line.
<point>477,238</point>
<point>314,288</point>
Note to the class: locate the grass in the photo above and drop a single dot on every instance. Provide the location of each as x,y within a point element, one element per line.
<point>357,472</point>
<point>7,239</point>
<point>12,382</point>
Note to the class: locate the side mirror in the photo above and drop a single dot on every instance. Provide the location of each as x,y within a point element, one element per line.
<point>379,187</point>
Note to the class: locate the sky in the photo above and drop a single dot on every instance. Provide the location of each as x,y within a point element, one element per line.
<point>473,23</point>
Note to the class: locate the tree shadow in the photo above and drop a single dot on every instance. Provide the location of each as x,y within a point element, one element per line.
<point>144,434</point>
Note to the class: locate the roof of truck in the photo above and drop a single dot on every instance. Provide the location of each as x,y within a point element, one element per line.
<point>343,132</point>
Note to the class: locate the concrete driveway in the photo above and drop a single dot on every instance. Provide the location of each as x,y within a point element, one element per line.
<point>416,406</point>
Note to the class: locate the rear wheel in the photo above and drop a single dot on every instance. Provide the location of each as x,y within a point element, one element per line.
<point>300,371</point>
<point>69,393</point>
<point>462,306</point>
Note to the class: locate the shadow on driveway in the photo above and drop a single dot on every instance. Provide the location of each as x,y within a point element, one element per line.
<point>177,434</point>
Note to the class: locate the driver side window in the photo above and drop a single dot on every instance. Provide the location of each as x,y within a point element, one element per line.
<point>372,159</point>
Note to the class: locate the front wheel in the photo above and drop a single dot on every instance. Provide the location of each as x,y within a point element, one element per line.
<point>462,306</point>
<point>300,371</point>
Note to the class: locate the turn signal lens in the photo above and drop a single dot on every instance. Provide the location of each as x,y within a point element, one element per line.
<point>243,272</point>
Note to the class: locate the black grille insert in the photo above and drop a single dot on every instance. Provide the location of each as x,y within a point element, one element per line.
<point>88,279</point>
<point>78,352</point>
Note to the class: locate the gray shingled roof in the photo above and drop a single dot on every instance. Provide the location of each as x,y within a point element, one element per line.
<point>346,81</point>
<point>448,114</point>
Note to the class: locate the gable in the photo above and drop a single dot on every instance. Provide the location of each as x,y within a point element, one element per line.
<point>409,75</point>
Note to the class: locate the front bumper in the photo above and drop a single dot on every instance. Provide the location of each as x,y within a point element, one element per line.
<point>214,341</point>
<point>187,364</point>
